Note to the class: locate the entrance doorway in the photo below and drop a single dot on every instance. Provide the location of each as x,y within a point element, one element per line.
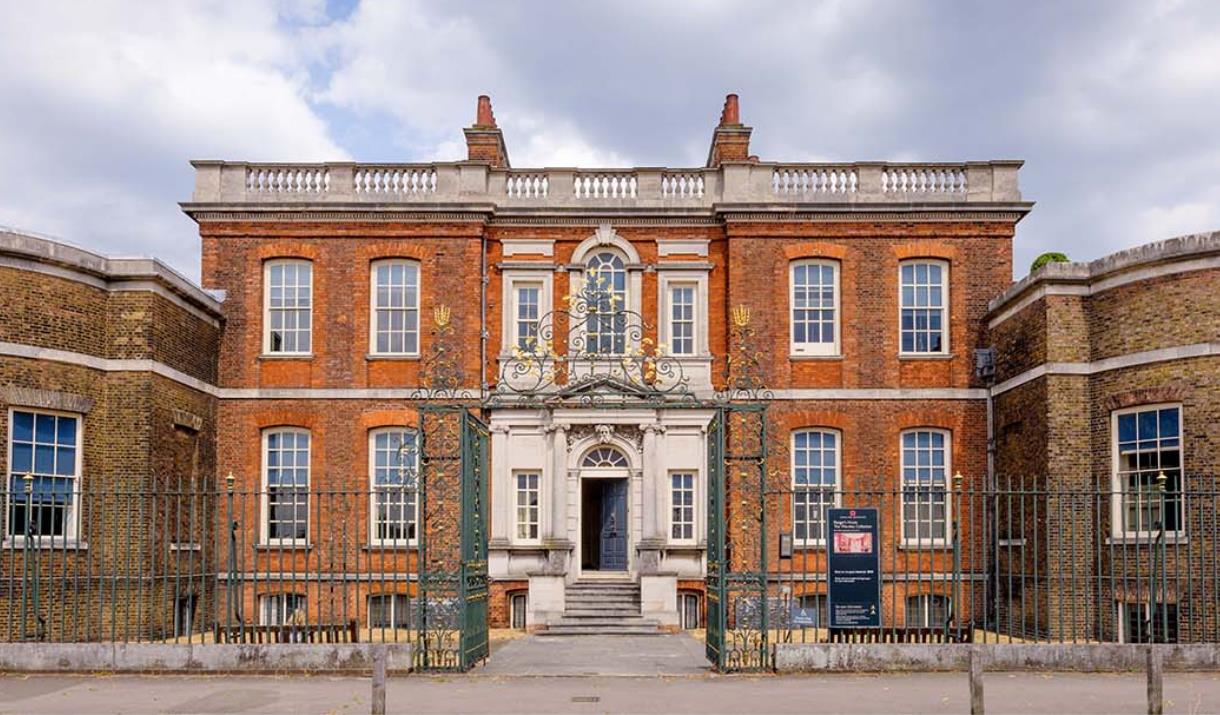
<point>603,520</point>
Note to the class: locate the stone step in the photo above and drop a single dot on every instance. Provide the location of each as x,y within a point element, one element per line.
<point>638,621</point>
<point>602,613</point>
<point>556,631</point>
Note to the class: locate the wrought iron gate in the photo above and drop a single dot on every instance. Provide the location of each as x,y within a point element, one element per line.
<point>452,593</point>
<point>739,608</point>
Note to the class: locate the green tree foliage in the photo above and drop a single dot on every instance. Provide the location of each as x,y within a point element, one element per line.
<point>1045,258</point>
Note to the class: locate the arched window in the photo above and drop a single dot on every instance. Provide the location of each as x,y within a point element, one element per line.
<point>924,299</point>
<point>393,455</point>
<point>815,482</point>
<point>606,294</point>
<point>394,323</point>
<point>603,457</point>
<point>815,307</point>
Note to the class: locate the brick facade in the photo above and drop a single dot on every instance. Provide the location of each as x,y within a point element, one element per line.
<point>180,386</point>
<point>1075,343</point>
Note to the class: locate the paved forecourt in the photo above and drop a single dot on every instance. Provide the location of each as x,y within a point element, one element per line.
<point>673,655</point>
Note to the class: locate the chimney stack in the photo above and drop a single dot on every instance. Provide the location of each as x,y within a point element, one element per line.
<point>484,140</point>
<point>731,139</point>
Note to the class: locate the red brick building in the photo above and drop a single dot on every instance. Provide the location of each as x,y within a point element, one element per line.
<point>867,285</point>
<point>593,318</point>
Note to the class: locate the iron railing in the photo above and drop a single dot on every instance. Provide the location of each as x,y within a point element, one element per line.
<point>1021,562</point>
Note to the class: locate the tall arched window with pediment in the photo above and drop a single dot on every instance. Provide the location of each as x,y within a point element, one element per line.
<point>606,303</point>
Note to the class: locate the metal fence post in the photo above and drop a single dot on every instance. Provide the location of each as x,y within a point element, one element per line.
<point>976,681</point>
<point>378,703</point>
<point>1156,694</point>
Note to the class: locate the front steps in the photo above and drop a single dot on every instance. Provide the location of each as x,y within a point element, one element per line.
<point>602,607</point>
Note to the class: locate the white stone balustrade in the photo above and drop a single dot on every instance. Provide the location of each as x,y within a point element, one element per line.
<point>924,179</point>
<point>606,185</point>
<point>735,183</point>
<point>287,179</point>
<point>527,185</point>
<point>682,185</point>
<point>805,180</point>
<point>395,180</point>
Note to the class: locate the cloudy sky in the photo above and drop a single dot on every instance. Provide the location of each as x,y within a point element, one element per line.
<point>1113,105</point>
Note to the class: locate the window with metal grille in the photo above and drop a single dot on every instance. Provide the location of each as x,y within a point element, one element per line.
<point>1148,443</point>
<point>925,494</point>
<point>527,505</point>
<point>606,292</point>
<point>289,307</point>
<point>814,610</point>
<point>927,610</point>
<point>1137,627</point>
<point>45,446</point>
<point>682,506</point>
<point>815,482</point>
<point>389,610</point>
<point>281,609</point>
<point>395,308</point>
<point>286,476</point>
<point>924,296</point>
<point>814,303</point>
<point>682,319</point>
<point>393,462</point>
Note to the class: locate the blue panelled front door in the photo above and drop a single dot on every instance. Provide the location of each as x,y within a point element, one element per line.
<point>614,525</point>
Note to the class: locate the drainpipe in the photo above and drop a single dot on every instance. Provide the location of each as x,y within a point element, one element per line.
<point>484,278</point>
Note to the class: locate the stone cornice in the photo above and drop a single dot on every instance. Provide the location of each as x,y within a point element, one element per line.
<point>24,251</point>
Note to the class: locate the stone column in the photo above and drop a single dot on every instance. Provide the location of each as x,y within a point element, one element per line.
<point>556,538</point>
<point>501,503</point>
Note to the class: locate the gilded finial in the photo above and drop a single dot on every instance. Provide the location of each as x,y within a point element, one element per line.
<point>741,315</point>
<point>229,480</point>
<point>29,482</point>
<point>440,314</point>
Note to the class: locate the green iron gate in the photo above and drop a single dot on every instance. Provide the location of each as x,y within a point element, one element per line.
<point>452,593</point>
<point>739,607</point>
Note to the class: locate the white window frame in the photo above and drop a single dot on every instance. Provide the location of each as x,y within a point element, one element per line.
<point>929,542</point>
<point>540,277</point>
<point>374,488</point>
<point>265,604</point>
<point>618,308</point>
<point>267,266</point>
<point>265,498</point>
<point>836,490</point>
<point>683,598</point>
<point>926,599</point>
<point>811,348</point>
<point>72,518</point>
<point>1117,476</point>
<point>670,321</point>
<point>374,308</point>
<point>393,614</point>
<point>694,506</point>
<point>944,306</point>
<point>517,320</point>
<point>518,523</point>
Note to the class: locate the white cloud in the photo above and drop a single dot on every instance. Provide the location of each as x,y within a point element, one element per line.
<point>105,105</point>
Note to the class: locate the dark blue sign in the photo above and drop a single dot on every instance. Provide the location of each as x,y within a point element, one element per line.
<point>853,561</point>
